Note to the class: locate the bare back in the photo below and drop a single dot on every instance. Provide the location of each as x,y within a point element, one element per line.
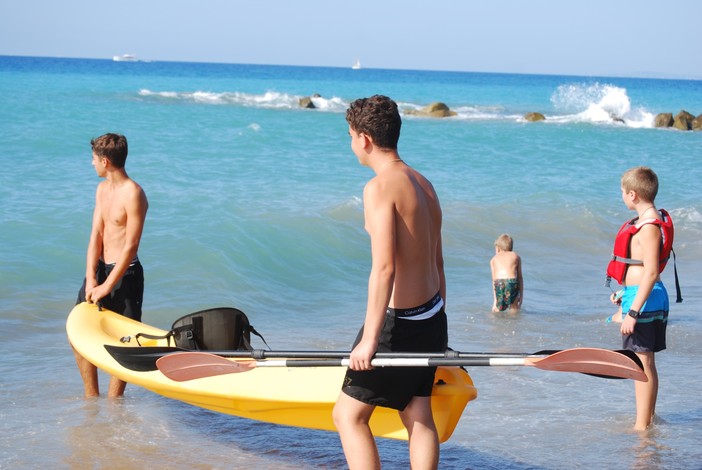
<point>406,199</point>
<point>505,265</point>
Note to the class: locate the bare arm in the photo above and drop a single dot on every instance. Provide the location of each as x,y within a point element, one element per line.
<point>440,268</point>
<point>520,279</point>
<point>94,246</point>
<point>380,224</point>
<point>492,284</point>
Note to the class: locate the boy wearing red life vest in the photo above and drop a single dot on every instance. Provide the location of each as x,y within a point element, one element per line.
<point>641,250</point>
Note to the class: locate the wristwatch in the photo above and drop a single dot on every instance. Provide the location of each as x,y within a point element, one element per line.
<point>633,313</point>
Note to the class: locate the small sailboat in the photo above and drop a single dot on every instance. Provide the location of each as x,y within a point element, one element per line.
<point>356,65</point>
<point>125,58</point>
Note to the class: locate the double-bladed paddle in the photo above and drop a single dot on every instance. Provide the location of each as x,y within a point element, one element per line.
<point>143,359</point>
<point>184,366</point>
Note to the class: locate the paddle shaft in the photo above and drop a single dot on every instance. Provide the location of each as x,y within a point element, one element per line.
<point>155,352</point>
<point>400,362</point>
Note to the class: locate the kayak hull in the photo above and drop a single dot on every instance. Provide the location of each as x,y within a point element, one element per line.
<point>292,396</point>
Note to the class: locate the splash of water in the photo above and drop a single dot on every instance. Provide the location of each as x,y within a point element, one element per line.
<point>598,103</point>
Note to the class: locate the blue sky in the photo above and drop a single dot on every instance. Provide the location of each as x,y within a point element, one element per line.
<point>592,37</point>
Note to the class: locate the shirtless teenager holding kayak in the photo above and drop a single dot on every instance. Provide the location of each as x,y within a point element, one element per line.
<point>113,274</point>
<point>406,293</point>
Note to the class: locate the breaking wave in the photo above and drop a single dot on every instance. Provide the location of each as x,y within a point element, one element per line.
<point>572,103</point>
<point>269,99</point>
<point>598,103</point>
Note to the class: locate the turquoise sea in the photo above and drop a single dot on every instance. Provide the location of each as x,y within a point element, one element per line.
<point>256,203</point>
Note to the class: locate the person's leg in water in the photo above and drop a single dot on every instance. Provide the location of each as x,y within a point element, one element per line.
<point>351,418</point>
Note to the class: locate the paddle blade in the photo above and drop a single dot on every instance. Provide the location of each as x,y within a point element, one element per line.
<point>184,366</point>
<point>592,361</point>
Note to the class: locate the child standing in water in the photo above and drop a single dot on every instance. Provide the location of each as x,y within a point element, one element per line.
<point>507,282</point>
<point>641,250</point>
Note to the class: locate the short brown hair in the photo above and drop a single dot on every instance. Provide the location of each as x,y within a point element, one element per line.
<point>643,181</point>
<point>111,146</point>
<point>504,242</point>
<point>378,118</point>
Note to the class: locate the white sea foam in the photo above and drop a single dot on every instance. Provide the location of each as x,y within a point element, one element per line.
<point>598,103</point>
<point>483,113</point>
<point>269,99</point>
<point>687,219</point>
<point>334,104</point>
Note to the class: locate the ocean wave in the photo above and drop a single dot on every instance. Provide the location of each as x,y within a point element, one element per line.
<point>593,103</point>
<point>688,220</point>
<point>269,99</point>
<point>598,103</point>
<point>349,210</point>
<point>278,100</point>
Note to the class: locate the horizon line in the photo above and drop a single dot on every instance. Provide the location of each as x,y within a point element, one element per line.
<point>636,75</point>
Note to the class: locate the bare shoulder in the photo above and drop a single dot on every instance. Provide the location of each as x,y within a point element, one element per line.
<point>648,236</point>
<point>373,189</point>
<point>383,187</point>
<point>133,195</point>
<point>648,231</point>
<point>422,180</point>
<point>135,188</point>
<point>101,187</point>
<point>515,258</point>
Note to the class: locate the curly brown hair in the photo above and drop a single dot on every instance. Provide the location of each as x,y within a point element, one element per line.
<point>378,118</point>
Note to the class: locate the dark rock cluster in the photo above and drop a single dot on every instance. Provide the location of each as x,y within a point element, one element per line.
<point>683,121</point>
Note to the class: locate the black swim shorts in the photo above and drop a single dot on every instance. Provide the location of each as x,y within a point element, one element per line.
<point>127,296</point>
<point>394,387</point>
<point>649,333</point>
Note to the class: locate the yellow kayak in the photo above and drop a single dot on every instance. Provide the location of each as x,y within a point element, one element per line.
<point>293,396</point>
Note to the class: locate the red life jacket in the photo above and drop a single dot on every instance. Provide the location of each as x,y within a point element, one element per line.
<point>621,254</point>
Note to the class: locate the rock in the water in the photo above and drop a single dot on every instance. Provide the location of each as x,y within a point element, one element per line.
<point>533,117</point>
<point>437,110</point>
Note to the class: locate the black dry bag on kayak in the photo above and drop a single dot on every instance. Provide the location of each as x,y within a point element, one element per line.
<point>214,329</point>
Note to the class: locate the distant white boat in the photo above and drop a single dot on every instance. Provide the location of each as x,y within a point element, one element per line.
<point>125,58</point>
<point>356,65</point>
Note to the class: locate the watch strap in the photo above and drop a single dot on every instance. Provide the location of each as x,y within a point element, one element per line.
<point>633,313</point>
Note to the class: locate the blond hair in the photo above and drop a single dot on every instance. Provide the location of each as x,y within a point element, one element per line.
<point>504,242</point>
<point>643,181</point>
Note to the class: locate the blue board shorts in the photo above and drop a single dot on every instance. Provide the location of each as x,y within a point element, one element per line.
<point>650,330</point>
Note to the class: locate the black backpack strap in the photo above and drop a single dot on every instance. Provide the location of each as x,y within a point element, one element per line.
<point>678,292</point>
<point>253,330</point>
